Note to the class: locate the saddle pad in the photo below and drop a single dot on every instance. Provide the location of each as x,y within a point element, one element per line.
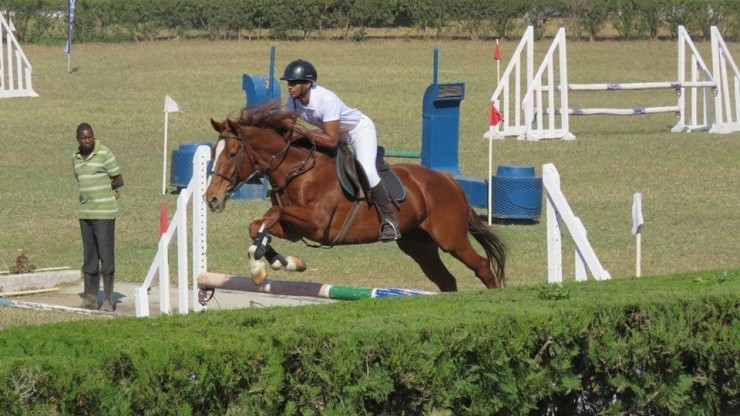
<point>395,188</point>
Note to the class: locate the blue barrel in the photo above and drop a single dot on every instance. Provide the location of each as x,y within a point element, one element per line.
<point>517,193</point>
<point>181,164</point>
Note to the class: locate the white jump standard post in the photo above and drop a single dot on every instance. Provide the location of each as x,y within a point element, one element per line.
<point>15,70</point>
<point>192,195</point>
<point>543,111</point>
<point>557,210</point>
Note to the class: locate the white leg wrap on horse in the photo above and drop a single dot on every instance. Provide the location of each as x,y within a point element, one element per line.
<point>276,265</point>
<point>256,267</point>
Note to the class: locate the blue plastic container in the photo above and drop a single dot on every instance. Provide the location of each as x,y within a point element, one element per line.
<point>181,164</point>
<point>517,193</point>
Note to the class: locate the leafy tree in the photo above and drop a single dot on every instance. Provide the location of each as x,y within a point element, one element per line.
<point>89,14</point>
<point>538,12</point>
<point>253,14</point>
<point>32,18</point>
<point>118,20</point>
<point>350,14</point>
<point>504,14</point>
<point>311,15</point>
<point>471,15</point>
<point>589,16</point>
<point>695,15</point>
<point>650,16</point>
<point>701,15</point>
<point>427,15</point>
<point>624,17</point>
<point>280,17</point>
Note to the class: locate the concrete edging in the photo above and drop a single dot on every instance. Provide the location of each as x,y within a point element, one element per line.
<point>37,280</point>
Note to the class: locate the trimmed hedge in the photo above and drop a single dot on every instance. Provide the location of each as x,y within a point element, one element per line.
<point>653,345</point>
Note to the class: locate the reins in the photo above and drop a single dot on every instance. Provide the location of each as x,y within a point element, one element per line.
<point>303,167</point>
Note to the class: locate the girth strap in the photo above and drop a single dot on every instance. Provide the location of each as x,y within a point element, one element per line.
<point>347,224</point>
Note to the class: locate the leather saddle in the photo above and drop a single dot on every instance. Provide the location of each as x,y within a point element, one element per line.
<point>354,182</point>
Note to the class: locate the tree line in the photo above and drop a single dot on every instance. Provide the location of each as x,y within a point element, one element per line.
<point>45,21</point>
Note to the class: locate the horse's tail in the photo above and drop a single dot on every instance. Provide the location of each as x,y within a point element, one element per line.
<point>493,246</point>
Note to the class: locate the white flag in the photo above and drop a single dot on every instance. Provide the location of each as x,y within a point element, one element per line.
<point>170,106</point>
<point>637,214</point>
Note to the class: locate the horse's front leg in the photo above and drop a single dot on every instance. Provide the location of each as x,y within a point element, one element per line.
<point>261,249</point>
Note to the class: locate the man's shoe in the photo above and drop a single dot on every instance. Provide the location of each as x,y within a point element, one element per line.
<point>107,306</point>
<point>89,303</point>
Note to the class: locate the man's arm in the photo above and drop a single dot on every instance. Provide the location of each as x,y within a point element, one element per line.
<point>329,137</point>
<point>116,182</point>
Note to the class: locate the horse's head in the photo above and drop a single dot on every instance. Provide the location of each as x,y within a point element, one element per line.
<point>229,169</point>
<point>257,144</point>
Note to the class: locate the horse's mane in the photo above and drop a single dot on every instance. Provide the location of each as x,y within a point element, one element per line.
<point>268,116</point>
<point>283,122</point>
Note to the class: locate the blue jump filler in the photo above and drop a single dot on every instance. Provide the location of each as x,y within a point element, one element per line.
<point>259,90</point>
<point>440,135</point>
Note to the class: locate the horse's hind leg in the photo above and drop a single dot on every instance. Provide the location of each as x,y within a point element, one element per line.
<point>418,245</point>
<point>278,262</point>
<point>465,253</point>
<point>478,264</point>
<point>459,246</point>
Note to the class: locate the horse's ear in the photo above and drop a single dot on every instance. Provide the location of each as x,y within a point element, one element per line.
<point>217,125</point>
<point>233,125</point>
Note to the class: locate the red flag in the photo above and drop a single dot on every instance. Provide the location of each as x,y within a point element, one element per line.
<point>497,52</point>
<point>163,221</point>
<point>494,116</point>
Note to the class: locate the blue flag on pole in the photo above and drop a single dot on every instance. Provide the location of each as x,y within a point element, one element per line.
<point>71,20</point>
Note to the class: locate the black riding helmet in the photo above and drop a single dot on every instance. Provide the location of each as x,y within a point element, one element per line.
<point>300,70</point>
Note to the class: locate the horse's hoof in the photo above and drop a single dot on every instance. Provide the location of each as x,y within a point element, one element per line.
<point>258,271</point>
<point>296,264</point>
<point>259,278</point>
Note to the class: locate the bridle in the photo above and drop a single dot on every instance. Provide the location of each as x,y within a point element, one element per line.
<point>257,169</point>
<point>233,181</point>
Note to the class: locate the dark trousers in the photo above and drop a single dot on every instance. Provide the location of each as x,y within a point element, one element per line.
<point>98,246</point>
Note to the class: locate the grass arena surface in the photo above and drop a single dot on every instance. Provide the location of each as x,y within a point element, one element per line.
<point>689,182</point>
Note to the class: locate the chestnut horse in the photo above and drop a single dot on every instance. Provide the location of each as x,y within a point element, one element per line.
<point>308,202</point>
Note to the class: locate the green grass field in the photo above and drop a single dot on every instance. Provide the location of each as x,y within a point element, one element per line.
<point>690,182</point>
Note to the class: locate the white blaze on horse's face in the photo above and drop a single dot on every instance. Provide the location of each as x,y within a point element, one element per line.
<point>219,149</point>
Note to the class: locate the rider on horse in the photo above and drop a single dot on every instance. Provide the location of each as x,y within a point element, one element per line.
<point>322,108</point>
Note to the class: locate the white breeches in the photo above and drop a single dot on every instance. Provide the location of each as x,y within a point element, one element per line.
<point>364,140</point>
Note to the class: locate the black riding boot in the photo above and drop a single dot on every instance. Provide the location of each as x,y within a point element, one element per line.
<point>108,290</point>
<point>388,223</point>
<point>92,286</point>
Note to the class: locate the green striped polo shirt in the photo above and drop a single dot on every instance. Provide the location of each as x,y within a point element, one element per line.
<point>93,178</point>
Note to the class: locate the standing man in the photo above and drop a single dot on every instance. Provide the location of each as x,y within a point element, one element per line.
<point>98,178</point>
